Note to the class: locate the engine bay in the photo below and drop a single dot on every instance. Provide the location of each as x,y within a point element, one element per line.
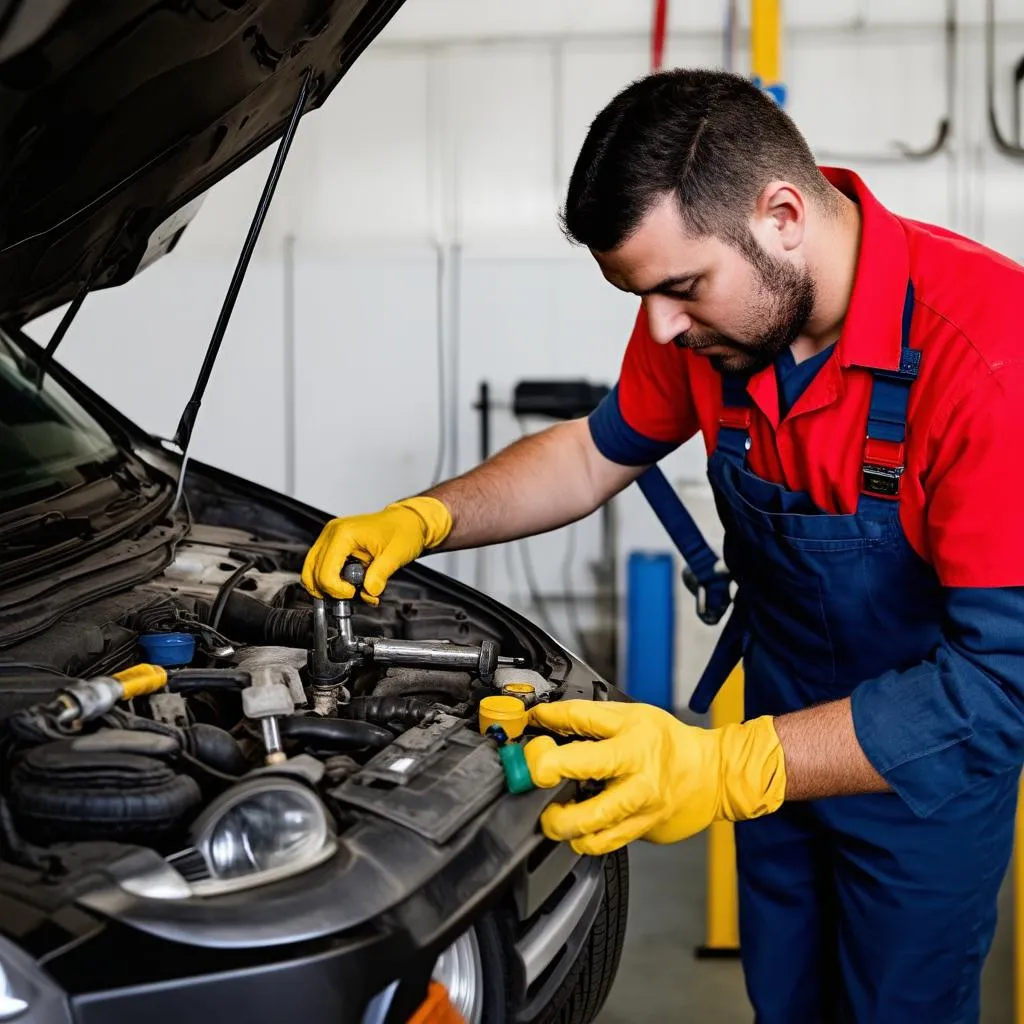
<point>272,723</point>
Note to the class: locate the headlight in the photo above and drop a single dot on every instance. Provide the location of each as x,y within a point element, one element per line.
<point>264,831</point>
<point>27,992</point>
<point>10,1005</point>
<point>260,831</point>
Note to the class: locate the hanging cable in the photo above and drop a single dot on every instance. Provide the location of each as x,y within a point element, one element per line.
<point>225,590</point>
<point>442,417</point>
<point>571,607</point>
<point>537,599</point>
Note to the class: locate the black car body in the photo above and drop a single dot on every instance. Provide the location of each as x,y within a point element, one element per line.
<point>115,829</point>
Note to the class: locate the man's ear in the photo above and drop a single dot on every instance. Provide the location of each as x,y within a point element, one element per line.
<point>780,212</point>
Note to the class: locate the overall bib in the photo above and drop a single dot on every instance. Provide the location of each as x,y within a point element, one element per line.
<point>851,908</point>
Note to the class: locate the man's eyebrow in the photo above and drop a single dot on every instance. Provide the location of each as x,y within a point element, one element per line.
<point>669,282</point>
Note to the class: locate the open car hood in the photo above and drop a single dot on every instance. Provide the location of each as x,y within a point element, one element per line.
<point>116,117</point>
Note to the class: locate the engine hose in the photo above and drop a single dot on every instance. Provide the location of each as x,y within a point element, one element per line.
<point>337,733</point>
<point>19,851</point>
<point>402,681</point>
<point>193,680</point>
<point>226,589</point>
<point>215,748</point>
<point>208,747</point>
<point>36,724</point>
<point>252,621</point>
<point>403,711</point>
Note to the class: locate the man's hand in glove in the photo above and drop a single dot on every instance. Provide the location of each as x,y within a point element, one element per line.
<point>665,780</point>
<point>384,540</point>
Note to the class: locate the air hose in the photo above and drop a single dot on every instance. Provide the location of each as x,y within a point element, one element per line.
<point>405,712</point>
<point>339,734</point>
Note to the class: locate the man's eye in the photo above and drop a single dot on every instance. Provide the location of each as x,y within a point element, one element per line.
<point>684,295</point>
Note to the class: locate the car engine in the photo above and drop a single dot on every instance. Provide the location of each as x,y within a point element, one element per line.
<point>274,721</point>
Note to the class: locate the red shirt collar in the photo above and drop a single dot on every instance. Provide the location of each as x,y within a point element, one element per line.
<point>871,334</point>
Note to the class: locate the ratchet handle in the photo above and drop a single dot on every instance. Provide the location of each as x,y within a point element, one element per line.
<point>354,572</point>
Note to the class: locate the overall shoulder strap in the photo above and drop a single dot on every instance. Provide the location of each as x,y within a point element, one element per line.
<point>734,419</point>
<point>704,578</point>
<point>884,446</point>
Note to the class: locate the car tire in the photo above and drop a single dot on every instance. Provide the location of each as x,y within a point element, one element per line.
<point>494,954</point>
<point>586,987</point>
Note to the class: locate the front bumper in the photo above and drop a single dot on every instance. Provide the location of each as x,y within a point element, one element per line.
<point>375,976</point>
<point>328,944</point>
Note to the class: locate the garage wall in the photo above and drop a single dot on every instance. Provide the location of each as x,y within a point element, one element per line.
<point>413,247</point>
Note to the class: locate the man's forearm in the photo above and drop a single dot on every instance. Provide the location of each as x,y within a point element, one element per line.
<point>537,484</point>
<point>822,754</point>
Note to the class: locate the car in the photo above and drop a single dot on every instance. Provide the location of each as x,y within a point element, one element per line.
<point>219,798</point>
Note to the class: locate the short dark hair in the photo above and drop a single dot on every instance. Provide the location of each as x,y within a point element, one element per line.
<point>712,138</point>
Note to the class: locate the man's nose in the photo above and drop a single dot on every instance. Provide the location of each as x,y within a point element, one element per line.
<point>666,318</point>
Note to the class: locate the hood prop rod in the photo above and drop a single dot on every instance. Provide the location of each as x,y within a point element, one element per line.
<point>70,313</point>
<point>58,335</point>
<point>183,435</point>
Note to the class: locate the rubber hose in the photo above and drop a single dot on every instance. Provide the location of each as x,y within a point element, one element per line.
<point>252,621</point>
<point>192,680</point>
<point>226,589</point>
<point>215,747</point>
<point>337,733</point>
<point>404,711</point>
<point>403,681</point>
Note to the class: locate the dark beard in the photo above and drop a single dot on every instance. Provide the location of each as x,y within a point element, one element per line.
<point>790,294</point>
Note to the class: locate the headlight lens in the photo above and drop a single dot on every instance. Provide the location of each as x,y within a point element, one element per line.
<point>268,827</point>
<point>265,831</point>
<point>10,1005</point>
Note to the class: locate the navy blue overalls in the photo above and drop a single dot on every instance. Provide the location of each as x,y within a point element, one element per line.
<point>851,908</point>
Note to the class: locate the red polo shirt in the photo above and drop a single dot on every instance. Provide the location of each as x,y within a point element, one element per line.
<point>962,500</point>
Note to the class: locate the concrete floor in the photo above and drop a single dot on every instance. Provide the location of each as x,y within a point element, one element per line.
<point>660,980</point>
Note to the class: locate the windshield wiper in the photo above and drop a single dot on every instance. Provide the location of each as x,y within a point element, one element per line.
<point>52,527</point>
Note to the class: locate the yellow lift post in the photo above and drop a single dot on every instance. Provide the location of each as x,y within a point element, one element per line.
<point>723,925</point>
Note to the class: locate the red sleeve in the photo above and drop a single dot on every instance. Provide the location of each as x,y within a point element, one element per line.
<point>975,485</point>
<point>654,388</point>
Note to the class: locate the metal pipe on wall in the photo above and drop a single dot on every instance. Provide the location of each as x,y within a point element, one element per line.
<point>288,376</point>
<point>901,151</point>
<point>1003,144</point>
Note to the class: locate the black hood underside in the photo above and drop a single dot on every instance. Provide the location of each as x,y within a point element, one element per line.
<point>116,115</point>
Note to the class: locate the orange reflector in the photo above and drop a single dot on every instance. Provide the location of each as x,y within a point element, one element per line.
<point>436,1008</point>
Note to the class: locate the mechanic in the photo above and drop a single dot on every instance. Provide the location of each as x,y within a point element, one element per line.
<point>858,379</point>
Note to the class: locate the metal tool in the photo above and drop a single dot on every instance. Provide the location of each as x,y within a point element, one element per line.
<point>337,651</point>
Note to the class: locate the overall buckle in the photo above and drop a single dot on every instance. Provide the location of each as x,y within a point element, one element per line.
<point>710,612</point>
<point>882,472</point>
<point>734,417</point>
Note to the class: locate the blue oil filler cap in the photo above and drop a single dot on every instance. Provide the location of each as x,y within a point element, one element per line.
<point>168,649</point>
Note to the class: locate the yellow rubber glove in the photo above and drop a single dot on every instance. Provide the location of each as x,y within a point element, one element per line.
<point>384,541</point>
<point>666,780</point>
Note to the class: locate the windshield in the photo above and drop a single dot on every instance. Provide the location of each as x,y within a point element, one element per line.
<point>47,439</point>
